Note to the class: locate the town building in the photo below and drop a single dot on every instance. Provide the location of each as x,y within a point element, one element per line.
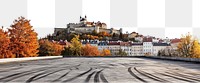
<point>137,49</point>
<point>103,45</point>
<point>114,47</point>
<point>91,42</point>
<point>159,46</point>
<point>126,47</point>
<point>147,45</point>
<point>174,43</point>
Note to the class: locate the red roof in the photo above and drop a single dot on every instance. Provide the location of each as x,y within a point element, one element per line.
<point>125,43</point>
<point>175,40</point>
<point>114,43</point>
<point>89,23</point>
<point>147,39</point>
<point>161,41</point>
<point>64,43</point>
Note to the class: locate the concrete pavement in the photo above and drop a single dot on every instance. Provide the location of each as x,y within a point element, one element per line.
<point>113,70</point>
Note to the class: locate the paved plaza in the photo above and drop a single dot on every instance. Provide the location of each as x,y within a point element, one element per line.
<point>113,70</point>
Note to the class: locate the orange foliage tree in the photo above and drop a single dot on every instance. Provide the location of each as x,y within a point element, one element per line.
<point>92,37</point>
<point>48,48</point>
<point>4,42</point>
<point>89,50</point>
<point>23,38</point>
<point>104,34</point>
<point>105,52</point>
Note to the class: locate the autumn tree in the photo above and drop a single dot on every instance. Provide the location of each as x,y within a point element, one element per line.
<point>105,52</point>
<point>195,49</point>
<point>104,34</point>
<point>49,48</point>
<point>4,42</point>
<point>75,46</point>
<point>57,48</point>
<point>184,47</point>
<point>67,52</point>
<point>189,47</point>
<point>23,38</point>
<point>89,50</point>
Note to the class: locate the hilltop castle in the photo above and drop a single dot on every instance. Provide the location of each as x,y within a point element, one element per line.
<point>87,27</point>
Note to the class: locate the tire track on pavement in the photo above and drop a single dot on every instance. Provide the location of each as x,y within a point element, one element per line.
<point>61,76</point>
<point>28,72</point>
<point>96,77</point>
<point>44,74</point>
<point>11,69</point>
<point>131,72</point>
<point>103,78</point>
<point>76,67</point>
<point>183,76</point>
<point>73,78</point>
<point>21,74</point>
<point>155,78</point>
<point>89,76</point>
<point>182,79</point>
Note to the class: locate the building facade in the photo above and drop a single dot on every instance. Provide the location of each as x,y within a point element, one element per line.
<point>137,49</point>
<point>159,46</point>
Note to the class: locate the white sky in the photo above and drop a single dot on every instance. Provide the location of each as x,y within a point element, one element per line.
<point>150,15</point>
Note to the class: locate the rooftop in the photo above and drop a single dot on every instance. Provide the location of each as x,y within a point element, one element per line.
<point>161,44</point>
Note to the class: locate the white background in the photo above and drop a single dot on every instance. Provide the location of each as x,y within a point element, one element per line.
<point>151,14</point>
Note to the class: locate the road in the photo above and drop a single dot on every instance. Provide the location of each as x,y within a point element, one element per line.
<point>113,70</point>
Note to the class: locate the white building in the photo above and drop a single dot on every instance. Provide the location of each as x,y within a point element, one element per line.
<point>103,45</point>
<point>114,47</point>
<point>159,46</point>
<point>137,49</point>
<point>126,47</point>
<point>147,46</point>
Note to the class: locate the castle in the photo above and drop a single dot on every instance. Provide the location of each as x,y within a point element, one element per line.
<point>86,27</point>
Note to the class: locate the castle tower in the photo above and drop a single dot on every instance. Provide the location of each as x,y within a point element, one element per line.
<point>120,30</point>
<point>85,17</point>
<point>83,20</point>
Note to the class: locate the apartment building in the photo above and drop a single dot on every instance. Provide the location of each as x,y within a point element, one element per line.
<point>147,46</point>
<point>137,49</point>
<point>159,46</point>
<point>126,47</point>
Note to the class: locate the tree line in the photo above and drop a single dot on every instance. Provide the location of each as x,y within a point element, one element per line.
<point>20,40</point>
<point>187,47</point>
<point>77,49</point>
